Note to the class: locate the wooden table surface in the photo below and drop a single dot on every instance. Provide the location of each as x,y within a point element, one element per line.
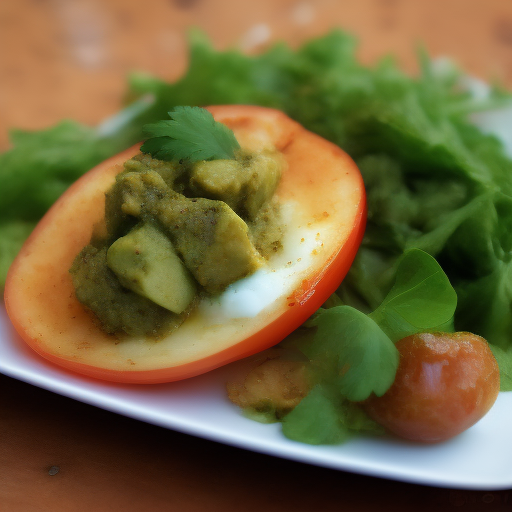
<point>69,58</point>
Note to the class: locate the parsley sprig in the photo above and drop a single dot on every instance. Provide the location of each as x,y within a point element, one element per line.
<point>191,134</point>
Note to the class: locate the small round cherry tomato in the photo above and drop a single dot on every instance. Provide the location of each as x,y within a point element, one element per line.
<point>444,384</point>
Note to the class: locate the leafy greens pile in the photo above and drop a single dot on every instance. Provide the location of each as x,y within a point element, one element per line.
<point>434,181</point>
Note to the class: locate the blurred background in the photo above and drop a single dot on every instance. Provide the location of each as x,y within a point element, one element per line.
<point>70,58</point>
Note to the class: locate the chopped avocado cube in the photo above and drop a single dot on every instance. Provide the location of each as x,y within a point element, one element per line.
<point>117,308</point>
<point>264,172</point>
<point>212,240</point>
<point>171,172</point>
<point>219,179</point>
<point>145,262</point>
<point>245,185</point>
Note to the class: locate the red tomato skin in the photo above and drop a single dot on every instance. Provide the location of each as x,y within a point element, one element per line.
<point>37,294</point>
<point>445,383</point>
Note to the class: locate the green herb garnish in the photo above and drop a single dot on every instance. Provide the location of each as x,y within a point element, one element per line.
<point>422,298</point>
<point>353,351</point>
<point>191,134</point>
<point>322,417</point>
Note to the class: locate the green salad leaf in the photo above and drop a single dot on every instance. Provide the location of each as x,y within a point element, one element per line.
<point>315,420</point>
<point>422,298</point>
<point>356,351</point>
<point>323,417</point>
<point>191,134</point>
<point>353,351</point>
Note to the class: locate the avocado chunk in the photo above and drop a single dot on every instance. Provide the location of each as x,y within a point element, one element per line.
<point>245,184</point>
<point>146,262</point>
<point>212,240</point>
<point>218,179</point>
<point>174,230</point>
<point>117,308</point>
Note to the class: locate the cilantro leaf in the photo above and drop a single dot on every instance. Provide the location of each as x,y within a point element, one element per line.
<point>353,351</point>
<point>315,420</point>
<point>323,417</point>
<point>191,134</point>
<point>422,298</point>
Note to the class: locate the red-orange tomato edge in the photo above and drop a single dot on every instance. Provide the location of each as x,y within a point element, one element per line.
<point>304,302</point>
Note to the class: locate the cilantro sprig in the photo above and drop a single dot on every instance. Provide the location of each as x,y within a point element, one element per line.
<point>191,134</point>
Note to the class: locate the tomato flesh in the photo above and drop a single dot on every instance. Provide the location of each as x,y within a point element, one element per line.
<point>444,384</point>
<point>320,183</point>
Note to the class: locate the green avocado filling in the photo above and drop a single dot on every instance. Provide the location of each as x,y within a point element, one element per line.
<point>176,231</point>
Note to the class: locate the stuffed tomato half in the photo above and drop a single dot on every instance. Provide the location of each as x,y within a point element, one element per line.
<point>233,289</point>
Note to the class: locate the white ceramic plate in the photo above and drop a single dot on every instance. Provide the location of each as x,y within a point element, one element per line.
<point>480,458</point>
